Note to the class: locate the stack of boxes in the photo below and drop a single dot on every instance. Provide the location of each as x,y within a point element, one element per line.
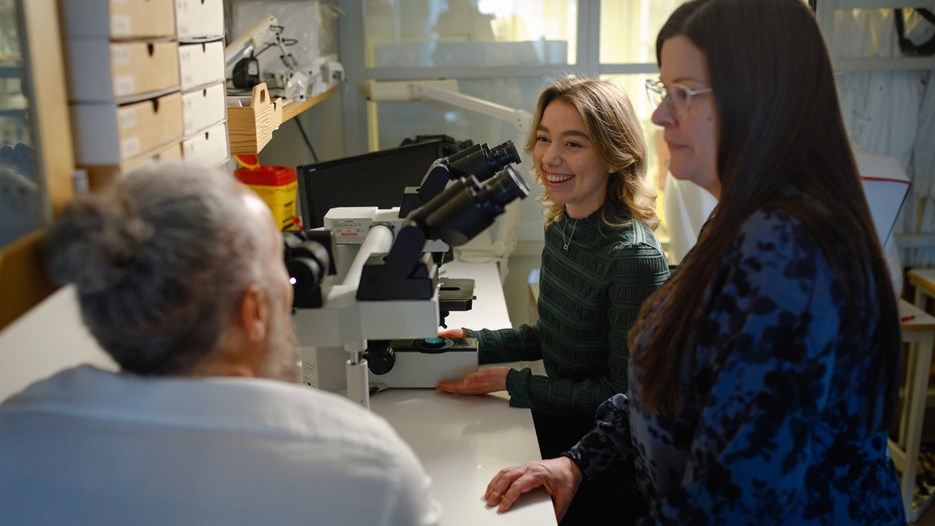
<point>200,31</point>
<point>146,82</point>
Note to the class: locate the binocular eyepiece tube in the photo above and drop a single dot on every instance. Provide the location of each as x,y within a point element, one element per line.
<point>483,162</point>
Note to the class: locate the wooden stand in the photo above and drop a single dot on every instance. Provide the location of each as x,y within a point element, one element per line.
<point>918,330</point>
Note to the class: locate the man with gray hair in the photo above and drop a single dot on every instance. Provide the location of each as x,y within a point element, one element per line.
<point>180,277</point>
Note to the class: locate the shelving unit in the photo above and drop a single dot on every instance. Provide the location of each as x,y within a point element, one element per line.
<point>11,68</point>
<point>250,129</point>
<point>13,105</point>
<point>825,13</point>
<point>293,108</point>
<point>918,330</point>
<point>23,283</point>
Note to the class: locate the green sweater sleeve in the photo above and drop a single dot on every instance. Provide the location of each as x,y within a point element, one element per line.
<point>507,345</point>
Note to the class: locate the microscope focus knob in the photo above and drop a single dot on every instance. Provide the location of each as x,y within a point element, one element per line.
<point>381,359</point>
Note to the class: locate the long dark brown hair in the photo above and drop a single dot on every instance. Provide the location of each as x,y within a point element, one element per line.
<point>780,127</point>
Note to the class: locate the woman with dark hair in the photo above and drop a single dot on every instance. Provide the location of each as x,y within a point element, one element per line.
<point>764,372</point>
<point>600,262</point>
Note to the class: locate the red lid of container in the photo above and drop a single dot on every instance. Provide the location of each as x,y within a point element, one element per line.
<point>266,175</point>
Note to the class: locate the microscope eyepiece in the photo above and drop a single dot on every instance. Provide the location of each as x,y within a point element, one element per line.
<point>503,189</point>
<point>468,206</point>
<point>308,257</point>
<point>483,163</point>
<point>505,154</point>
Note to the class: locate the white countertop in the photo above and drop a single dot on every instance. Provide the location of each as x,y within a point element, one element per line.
<point>489,306</point>
<point>463,441</point>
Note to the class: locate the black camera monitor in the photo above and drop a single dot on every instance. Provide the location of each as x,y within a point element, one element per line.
<point>374,179</point>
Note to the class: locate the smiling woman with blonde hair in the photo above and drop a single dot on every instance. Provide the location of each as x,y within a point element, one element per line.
<point>600,261</point>
<point>612,124</point>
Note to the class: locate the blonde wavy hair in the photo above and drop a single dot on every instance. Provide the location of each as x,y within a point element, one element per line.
<point>618,138</point>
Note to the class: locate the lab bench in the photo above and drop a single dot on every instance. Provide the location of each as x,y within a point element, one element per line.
<point>918,330</point>
<point>463,441</point>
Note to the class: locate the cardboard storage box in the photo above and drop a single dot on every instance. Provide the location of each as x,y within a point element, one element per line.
<point>203,108</point>
<point>102,71</point>
<point>209,146</point>
<point>118,19</point>
<point>201,64</point>
<point>199,19</point>
<point>101,175</point>
<point>107,134</point>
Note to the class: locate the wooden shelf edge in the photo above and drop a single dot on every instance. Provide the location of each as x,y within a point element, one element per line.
<point>241,130</point>
<point>22,277</point>
<point>292,108</point>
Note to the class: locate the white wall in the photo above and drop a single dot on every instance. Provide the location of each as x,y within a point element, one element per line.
<point>46,339</point>
<point>516,285</point>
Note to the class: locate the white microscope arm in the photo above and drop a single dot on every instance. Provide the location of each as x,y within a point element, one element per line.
<point>346,322</point>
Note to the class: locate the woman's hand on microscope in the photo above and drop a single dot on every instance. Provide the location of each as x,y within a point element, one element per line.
<point>453,333</point>
<point>482,382</point>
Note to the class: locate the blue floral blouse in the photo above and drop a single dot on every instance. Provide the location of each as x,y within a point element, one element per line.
<point>768,430</point>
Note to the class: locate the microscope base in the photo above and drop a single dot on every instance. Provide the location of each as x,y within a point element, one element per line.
<point>417,366</point>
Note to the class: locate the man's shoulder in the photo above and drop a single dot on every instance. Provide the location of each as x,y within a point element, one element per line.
<point>245,406</point>
<point>319,408</point>
<point>302,413</point>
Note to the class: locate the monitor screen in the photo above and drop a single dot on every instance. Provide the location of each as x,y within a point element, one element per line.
<point>373,179</point>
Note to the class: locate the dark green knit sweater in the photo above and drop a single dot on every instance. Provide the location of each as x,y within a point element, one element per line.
<point>589,297</point>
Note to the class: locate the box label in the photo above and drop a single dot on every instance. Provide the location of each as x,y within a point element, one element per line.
<point>129,147</point>
<point>127,118</point>
<point>120,55</point>
<point>124,85</point>
<point>121,25</point>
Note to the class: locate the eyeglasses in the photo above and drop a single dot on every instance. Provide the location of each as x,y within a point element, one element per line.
<point>676,97</point>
